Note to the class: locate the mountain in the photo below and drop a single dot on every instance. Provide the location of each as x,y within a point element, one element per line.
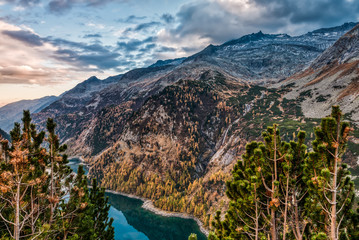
<point>172,132</point>
<point>264,57</point>
<point>83,117</point>
<point>74,99</point>
<point>4,135</point>
<point>333,78</point>
<point>12,112</point>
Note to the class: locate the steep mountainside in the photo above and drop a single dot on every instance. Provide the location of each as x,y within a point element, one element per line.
<point>333,78</point>
<point>90,116</point>
<point>179,147</point>
<point>12,112</point>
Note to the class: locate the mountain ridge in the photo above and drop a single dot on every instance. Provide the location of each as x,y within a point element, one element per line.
<point>12,112</point>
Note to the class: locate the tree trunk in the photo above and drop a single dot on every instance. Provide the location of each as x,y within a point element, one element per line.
<point>296,216</point>
<point>33,213</point>
<point>273,217</point>
<point>286,209</point>
<point>257,215</point>
<point>17,213</point>
<point>333,217</point>
<point>52,183</point>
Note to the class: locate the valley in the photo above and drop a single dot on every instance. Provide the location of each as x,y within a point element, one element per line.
<point>172,132</point>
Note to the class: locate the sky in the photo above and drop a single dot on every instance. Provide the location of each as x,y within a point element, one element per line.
<point>49,46</point>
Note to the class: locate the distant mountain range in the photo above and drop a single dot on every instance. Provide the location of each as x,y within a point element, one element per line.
<point>173,131</point>
<point>12,112</point>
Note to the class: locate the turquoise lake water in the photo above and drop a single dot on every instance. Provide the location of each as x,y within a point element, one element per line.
<point>132,222</point>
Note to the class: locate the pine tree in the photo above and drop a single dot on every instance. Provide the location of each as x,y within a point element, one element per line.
<point>75,220</point>
<point>244,217</point>
<point>103,229</point>
<point>295,189</point>
<point>278,190</point>
<point>58,168</point>
<point>331,191</point>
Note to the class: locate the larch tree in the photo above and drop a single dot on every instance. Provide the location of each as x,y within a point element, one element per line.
<point>21,181</point>
<point>40,197</point>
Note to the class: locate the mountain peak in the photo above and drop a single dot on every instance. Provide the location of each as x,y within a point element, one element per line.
<point>254,37</point>
<point>93,79</point>
<point>160,63</point>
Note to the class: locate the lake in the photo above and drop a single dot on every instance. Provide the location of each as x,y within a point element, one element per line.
<point>132,222</point>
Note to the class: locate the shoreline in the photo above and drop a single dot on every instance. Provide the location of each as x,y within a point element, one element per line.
<point>148,205</point>
<point>79,157</point>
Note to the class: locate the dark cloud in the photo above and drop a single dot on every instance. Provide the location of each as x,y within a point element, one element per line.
<point>134,44</point>
<point>129,46</point>
<point>102,60</point>
<point>145,26</point>
<point>131,19</point>
<point>60,6</point>
<point>142,27</point>
<point>223,20</point>
<point>83,54</point>
<point>148,47</point>
<point>97,35</point>
<point>26,37</point>
<point>205,19</point>
<point>326,12</point>
<point>166,49</point>
<point>167,18</point>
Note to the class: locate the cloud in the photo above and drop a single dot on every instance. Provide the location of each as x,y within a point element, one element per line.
<point>100,60</point>
<point>62,6</point>
<point>27,58</point>
<point>22,74</point>
<point>200,23</point>
<point>131,19</point>
<point>96,35</point>
<point>142,27</point>
<point>147,48</point>
<point>145,26</point>
<point>24,36</point>
<point>134,44</point>
<point>166,49</point>
<point>307,11</point>
<point>243,17</point>
<point>167,18</point>
<point>24,3</point>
